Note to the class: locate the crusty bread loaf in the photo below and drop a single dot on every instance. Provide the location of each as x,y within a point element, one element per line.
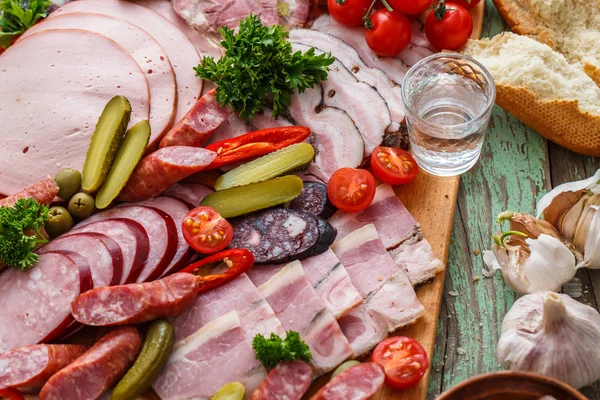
<point>571,27</point>
<point>541,88</point>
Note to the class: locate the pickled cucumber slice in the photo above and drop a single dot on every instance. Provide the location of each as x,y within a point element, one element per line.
<point>128,157</point>
<point>153,357</point>
<point>105,142</point>
<point>231,391</point>
<point>267,167</point>
<point>253,197</point>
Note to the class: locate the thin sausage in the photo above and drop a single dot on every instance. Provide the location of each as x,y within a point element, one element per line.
<point>357,383</point>
<point>44,192</point>
<point>198,124</point>
<point>97,369</point>
<point>287,381</point>
<point>162,169</point>
<point>136,303</point>
<point>30,367</point>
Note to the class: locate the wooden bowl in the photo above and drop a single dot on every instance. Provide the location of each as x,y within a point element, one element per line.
<point>511,385</point>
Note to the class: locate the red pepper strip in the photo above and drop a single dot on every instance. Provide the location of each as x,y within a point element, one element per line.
<point>257,143</point>
<point>237,260</point>
<point>11,394</point>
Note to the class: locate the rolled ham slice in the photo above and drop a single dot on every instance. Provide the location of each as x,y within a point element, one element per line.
<point>146,52</point>
<point>178,48</point>
<point>55,85</point>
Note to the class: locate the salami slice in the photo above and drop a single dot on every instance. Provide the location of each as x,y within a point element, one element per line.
<point>161,231</point>
<point>357,383</point>
<point>37,301</point>
<point>288,380</point>
<point>192,193</point>
<point>131,238</point>
<point>162,169</point>
<point>97,369</point>
<point>44,192</point>
<point>103,255</point>
<point>30,367</point>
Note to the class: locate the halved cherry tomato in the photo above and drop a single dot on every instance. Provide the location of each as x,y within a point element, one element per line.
<point>410,7</point>
<point>206,231</point>
<point>449,26</point>
<point>388,33</point>
<point>348,12</point>
<point>393,166</point>
<point>403,359</point>
<point>10,393</point>
<point>467,3</point>
<point>351,189</point>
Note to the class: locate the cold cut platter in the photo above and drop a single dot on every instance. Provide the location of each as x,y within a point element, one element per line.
<point>209,201</point>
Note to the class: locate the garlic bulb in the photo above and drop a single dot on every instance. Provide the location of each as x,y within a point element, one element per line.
<point>568,196</point>
<point>553,335</point>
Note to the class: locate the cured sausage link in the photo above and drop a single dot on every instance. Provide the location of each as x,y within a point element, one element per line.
<point>30,367</point>
<point>357,383</point>
<point>198,124</point>
<point>162,169</point>
<point>286,381</point>
<point>97,369</point>
<point>44,192</point>
<point>136,303</point>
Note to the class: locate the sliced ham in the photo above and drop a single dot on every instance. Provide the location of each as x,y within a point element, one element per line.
<point>68,97</point>
<point>344,91</point>
<point>240,295</point>
<point>300,309</point>
<point>178,48</point>
<point>161,231</point>
<point>390,300</point>
<point>203,362</point>
<point>191,193</point>
<point>348,56</point>
<point>36,303</point>
<point>287,381</point>
<point>143,48</point>
<point>416,257</point>
<point>44,192</point>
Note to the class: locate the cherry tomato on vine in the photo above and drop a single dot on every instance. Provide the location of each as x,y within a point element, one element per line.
<point>467,3</point>
<point>206,231</point>
<point>403,359</point>
<point>351,189</point>
<point>449,27</point>
<point>348,12</point>
<point>410,7</point>
<point>393,166</point>
<point>389,34</point>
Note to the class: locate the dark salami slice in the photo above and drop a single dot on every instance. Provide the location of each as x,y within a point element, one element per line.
<point>314,200</point>
<point>276,235</point>
<point>29,368</point>
<point>97,369</point>
<point>161,231</point>
<point>130,236</point>
<point>136,303</point>
<point>288,380</point>
<point>35,302</point>
<point>192,193</point>
<point>103,255</point>
<point>357,383</point>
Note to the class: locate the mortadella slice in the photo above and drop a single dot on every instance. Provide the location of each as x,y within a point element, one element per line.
<point>48,117</point>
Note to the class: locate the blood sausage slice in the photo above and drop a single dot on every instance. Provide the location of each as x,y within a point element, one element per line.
<point>55,85</point>
<point>180,51</point>
<point>143,48</point>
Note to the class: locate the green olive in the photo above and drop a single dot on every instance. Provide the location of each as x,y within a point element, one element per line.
<point>82,205</point>
<point>231,391</point>
<point>68,181</point>
<point>343,367</point>
<point>59,221</point>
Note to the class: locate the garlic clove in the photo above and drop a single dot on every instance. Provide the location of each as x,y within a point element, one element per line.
<point>591,184</point>
<point>592,245</point>
<point>531,226</point>
<point>568,225</point>
<point>583,223</point>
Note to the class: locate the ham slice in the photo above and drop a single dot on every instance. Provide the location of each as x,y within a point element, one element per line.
<point>66,99</point>
<point>145,51</point>
<point>416,257</point>
<point>202,363</point>
<point>300,309</point>
<point>390,301</point>
<point>178,48</point>
<point>240,295</point>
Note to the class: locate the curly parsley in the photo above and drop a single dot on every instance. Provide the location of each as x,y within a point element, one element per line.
<point>258,66</point>
<point>274,350</point>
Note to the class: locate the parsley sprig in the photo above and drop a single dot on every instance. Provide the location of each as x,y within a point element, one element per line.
<point>258,66</point>
<point>16,16</point>
<point>274,350</point>
<point>26,217</point>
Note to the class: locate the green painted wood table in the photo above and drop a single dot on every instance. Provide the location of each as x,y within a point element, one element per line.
<point>517,167</point>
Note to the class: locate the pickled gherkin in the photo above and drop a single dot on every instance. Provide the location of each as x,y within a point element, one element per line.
<point>267,167</point>
<point>255,196</point>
